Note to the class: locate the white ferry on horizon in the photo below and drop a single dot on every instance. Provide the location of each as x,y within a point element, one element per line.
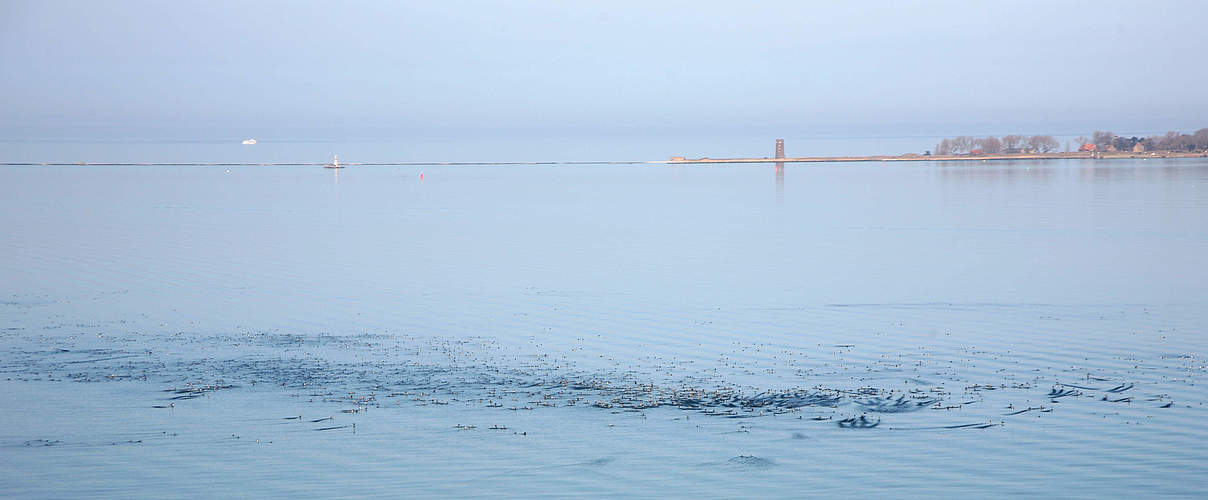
<point>250,141</point>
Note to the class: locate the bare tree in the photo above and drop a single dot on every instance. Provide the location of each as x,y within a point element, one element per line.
<point>1102,138</point>
<point>943,148</point>
<point>1043,143</point>
<point>962,144</point>
<point>1200,138</point>
<point>1171,141</point>
<point>1012,141</point>
<point>990,145</point>
<point>1152,143</point>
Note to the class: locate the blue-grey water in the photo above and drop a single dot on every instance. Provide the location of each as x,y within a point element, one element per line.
<point>905,329</point>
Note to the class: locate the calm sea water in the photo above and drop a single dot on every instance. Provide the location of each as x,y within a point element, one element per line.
<point>980,329</point>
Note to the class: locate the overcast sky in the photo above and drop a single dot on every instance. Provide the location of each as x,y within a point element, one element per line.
<point>617,66</point>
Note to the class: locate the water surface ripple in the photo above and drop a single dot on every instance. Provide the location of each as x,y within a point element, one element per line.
<point>1022,328</point>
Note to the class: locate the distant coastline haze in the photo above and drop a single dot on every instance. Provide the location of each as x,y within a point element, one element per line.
<point>457,71</point>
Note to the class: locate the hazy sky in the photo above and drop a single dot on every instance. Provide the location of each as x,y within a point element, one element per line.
<point>607,67</point>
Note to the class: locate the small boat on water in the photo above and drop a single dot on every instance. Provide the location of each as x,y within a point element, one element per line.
<point>335,163</point>
<point>250,141</point>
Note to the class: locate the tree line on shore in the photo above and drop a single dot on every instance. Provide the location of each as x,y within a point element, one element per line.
<point>1098,141</point>
<point>993,145</point>
<point>1170,141</point>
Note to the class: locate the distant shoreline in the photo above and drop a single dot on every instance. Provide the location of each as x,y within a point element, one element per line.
<point>675,161</point>
<point>1082,155</point>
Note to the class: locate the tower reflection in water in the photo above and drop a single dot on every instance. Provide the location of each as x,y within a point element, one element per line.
<point>779,183</point>
<point>779,172</point>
